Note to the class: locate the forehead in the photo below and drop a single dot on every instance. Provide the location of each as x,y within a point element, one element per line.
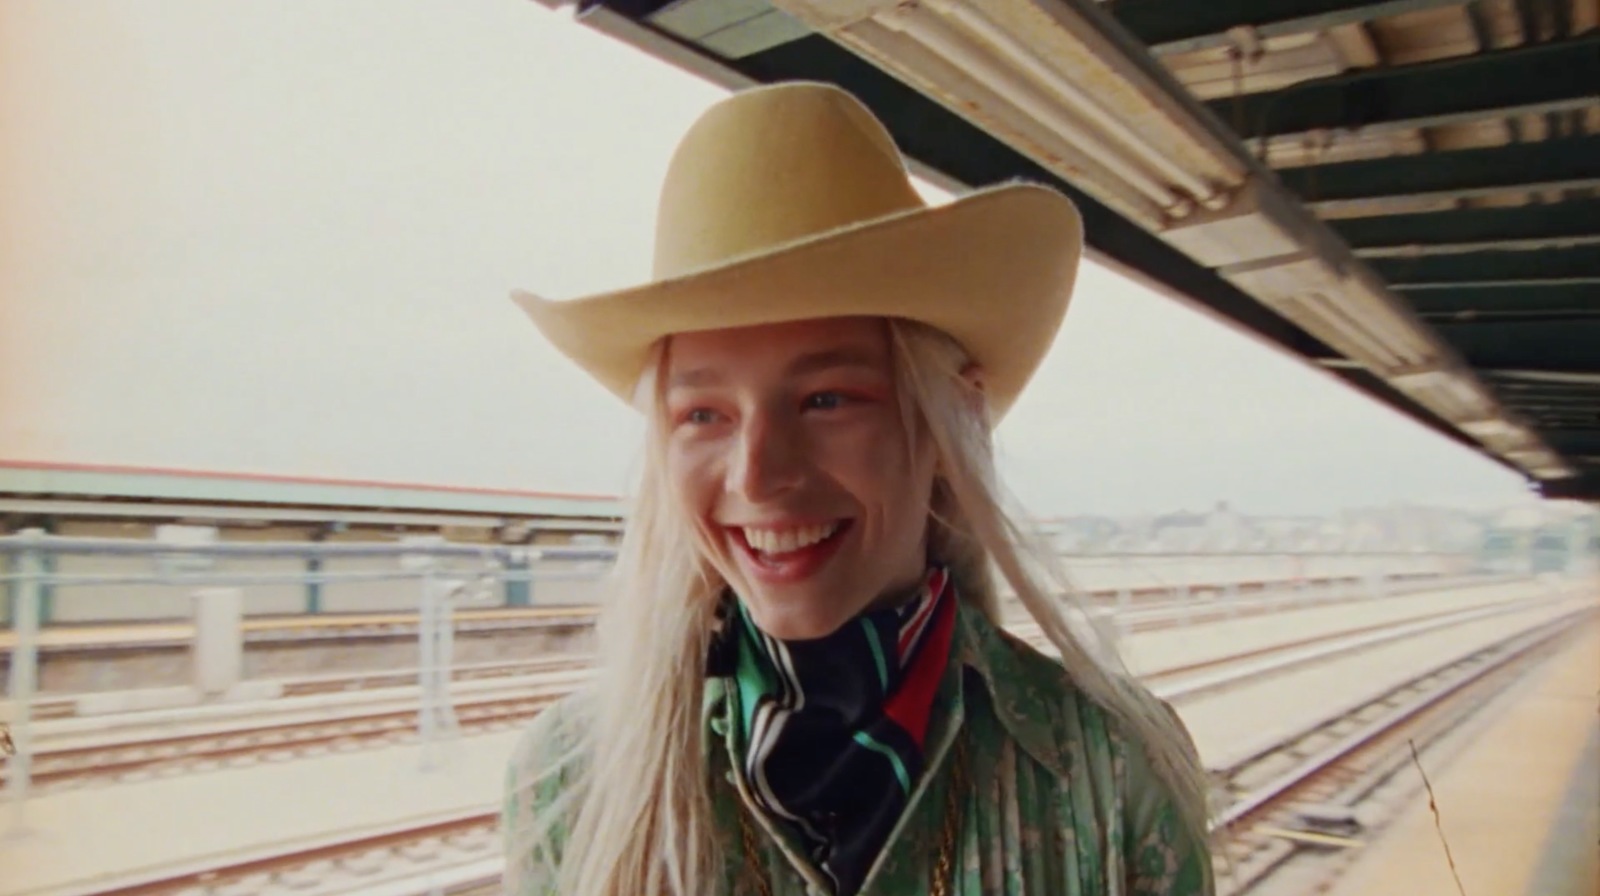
<point>775,347</point>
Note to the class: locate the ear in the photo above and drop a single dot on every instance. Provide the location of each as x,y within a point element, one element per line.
<point>973,374</point>
<point>976,380</point>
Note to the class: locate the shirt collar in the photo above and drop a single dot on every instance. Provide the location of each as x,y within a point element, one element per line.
<point>1026,689</point>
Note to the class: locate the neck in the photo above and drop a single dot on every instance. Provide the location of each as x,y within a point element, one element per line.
<point>898,595</point>
<point>836,724</point>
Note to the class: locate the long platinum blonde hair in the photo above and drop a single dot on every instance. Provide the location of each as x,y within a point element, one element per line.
<point>637,811</point>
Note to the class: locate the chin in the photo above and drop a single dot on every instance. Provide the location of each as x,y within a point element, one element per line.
<point>796,615</point>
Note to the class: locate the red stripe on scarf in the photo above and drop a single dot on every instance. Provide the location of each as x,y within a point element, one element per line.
<point>912,704</point>
<point>909,631</point>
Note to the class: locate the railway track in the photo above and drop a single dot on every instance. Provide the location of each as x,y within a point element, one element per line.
<point>1296,809</point>
<point>1283,804</point>
<point>454,854</point>
<point>355,721</point>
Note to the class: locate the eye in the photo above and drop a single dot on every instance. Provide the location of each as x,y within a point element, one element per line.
<point>700,416</point>
<point>825,401</point>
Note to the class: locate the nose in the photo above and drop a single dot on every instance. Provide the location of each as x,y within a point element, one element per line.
<point>769,458</point>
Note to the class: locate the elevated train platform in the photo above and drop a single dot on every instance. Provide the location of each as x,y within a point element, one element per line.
<point>1517,811</point>
<point>412,816</point>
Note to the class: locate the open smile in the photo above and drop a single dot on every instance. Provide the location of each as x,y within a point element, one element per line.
<point>780,555</point>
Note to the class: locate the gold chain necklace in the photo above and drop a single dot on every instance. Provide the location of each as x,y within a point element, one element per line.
<point>942,874</point>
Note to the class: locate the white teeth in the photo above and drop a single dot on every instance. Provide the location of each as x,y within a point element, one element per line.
<point>782,541</point>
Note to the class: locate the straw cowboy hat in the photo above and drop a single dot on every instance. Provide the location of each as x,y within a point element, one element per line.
<point>791,202</point>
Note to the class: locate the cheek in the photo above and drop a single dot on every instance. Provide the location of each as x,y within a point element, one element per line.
<point>874,465</point>
<point>695,471</point>
<point>695,475</point>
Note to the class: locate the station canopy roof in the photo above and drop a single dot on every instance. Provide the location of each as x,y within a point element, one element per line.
<point>1406,193</point>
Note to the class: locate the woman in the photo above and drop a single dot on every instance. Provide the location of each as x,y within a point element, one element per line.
<point>802,686</point>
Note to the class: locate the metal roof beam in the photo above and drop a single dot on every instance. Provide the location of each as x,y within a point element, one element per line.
<point>1584,440</point>
<point>1545,415</point>
<point>1519,80</point>
<point>1573,488</point>
<point>1579,266</point>
<point>1185,27</point>
<point>1567,347</point>
<point>1550,392</point>
<point>1482,31</point>
<point>1527,245</point>
<point>1576,401</point>
<point>1490,304</point>
<point>1528,20</point>
<point>1450,175</point>
<point>1568,400</point>
<point>1471,229</point>
<point>1545,378</point>
<point>1560,395</point>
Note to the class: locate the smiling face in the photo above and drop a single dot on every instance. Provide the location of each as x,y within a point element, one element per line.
<point>787,443</point>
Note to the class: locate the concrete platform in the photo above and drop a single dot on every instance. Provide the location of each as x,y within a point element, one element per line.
<point>76,842</point>
<point>1520,809</point>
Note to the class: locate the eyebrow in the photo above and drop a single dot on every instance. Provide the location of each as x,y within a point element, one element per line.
<point>809,363</point>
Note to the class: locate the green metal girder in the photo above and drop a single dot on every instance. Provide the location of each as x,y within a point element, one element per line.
<point>1578,218</point>
<point>1194,24</point>
<point>1578,263</point>
<point>1495,304</point>
<point>1546,394</point>
<point>1578,412</point>
<point>1584,407</point>
<point>1545,379</point>
<point>1542,419</point>
<point>1574,441</point>
<point>1486,83</point>
<point>1458,171</point>
<point>1561,347</point>
<point>1577,403</point>
<point>1527,19</point>
<point>1546,405</point>
<point>1584,487</point>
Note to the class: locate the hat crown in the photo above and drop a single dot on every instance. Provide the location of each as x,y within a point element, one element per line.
<point>771,166</point>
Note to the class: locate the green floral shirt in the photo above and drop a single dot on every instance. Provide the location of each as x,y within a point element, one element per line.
<point>1058,802</point>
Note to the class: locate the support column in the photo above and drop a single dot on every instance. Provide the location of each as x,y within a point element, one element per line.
<point>218,640</point>
<point>519,588</point>
<point>24,675</point>
<point>314,567</point>
<point>47,566</point>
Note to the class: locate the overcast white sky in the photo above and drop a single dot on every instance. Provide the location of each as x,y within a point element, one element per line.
<point>270,237</point>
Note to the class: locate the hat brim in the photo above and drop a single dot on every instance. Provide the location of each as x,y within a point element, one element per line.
<point>994,270</point>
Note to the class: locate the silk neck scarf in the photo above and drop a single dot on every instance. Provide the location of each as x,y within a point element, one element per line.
<point>833,728</point>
